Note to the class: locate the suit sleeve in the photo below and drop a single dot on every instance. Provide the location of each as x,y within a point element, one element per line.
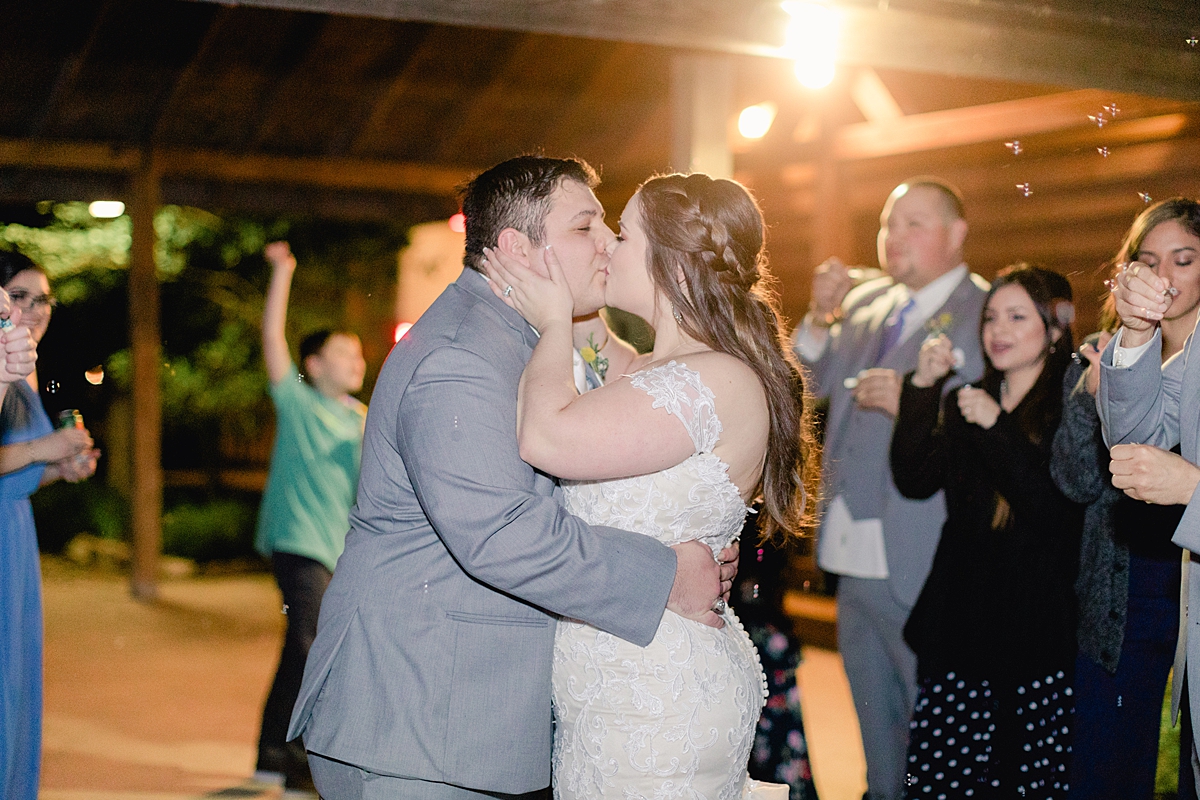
<point>1139,404</point>
<point>457,436</point>
<point>918,453</point>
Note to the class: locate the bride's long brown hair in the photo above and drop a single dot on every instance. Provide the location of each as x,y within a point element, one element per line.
<point>711,232</point>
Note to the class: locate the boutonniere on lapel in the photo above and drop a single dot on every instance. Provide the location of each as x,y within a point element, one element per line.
<point>940,325</point>
<point>591,354</point>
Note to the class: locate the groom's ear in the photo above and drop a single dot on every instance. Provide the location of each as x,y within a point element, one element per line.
<point>515,244</point>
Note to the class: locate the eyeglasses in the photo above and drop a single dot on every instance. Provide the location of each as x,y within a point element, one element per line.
<point>27,302</point>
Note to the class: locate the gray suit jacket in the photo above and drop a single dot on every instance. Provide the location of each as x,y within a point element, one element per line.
<point>855,458</point>
<point>1143,404</point>
<point>433,653</point>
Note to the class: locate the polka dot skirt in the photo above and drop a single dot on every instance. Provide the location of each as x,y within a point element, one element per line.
<point>969,739</point>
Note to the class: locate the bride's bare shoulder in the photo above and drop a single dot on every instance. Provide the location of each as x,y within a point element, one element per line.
<point>721,371</point>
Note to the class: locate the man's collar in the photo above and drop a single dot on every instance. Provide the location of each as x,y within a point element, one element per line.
<point>942,285</point>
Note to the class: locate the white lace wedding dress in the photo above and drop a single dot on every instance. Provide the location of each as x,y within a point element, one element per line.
<point>675,719</point>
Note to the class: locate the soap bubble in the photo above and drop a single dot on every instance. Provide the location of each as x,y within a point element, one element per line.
<point>1024,189</point>
<point>1192,40</point>
<point>1015,146</point>
<point>52,387</point>
<point>1102,151</point>
<point>1099,119</point>
<point>1112,109</point>
<point>1145,197</point>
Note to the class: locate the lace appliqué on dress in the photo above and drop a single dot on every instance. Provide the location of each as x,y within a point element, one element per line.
<point>680,391</point>
<point>674,719</point>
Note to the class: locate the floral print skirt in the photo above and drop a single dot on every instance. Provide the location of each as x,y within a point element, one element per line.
<point>780,752</point>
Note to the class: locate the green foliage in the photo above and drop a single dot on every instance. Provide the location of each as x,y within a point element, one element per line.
<point>209,531</point>
<point>1166,778</point>
<point>63,510</point>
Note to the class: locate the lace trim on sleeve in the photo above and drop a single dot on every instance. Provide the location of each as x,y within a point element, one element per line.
<point>680,391</point>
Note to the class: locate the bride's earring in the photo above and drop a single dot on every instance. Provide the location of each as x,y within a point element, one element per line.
<point>678,316</point>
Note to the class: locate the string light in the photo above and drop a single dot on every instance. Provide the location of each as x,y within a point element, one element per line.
<point>755,121</point>
<point>106,209</point>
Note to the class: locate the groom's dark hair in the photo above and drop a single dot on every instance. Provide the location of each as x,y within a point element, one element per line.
<point>515,194</point>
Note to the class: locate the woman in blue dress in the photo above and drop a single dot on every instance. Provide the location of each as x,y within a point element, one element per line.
<point>32,453</point>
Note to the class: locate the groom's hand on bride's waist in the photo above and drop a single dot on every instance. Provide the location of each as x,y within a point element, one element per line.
<point>698,583</point>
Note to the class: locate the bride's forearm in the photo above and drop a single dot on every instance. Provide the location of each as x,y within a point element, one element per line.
<point>547,387</point>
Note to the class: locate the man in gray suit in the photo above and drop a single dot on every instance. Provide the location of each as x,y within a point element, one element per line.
<point>1146,408</point>
<point>859,342</point>
<point>430,673</point>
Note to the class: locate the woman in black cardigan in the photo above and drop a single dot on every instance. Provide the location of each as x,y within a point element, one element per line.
<point>994,626</point>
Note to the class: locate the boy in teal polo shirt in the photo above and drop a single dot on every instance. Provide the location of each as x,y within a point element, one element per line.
<point>303,519</point>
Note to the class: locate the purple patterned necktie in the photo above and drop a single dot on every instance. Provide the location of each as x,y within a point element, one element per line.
<point>893,327</point>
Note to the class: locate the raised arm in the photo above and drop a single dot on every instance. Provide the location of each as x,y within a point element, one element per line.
<point>1139,402</point>
<point>274,338</point>
<point>918,452</point>
<point>560,431</point>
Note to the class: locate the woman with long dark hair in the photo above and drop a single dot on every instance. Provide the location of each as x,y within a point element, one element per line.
<point>1129,570</point>
<point>709,420</point>
<point>32,454</point>
<point>994,626</point>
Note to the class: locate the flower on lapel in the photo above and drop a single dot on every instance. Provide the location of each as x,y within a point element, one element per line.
<point>939,325</point>
<point>591,354</point>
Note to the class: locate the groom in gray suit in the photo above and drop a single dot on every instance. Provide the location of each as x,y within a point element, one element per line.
<point>859,341</point>
<point>430,673</point>
<point>1146,408</point>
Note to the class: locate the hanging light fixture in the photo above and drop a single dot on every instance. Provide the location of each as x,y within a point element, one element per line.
<point>812,41</point>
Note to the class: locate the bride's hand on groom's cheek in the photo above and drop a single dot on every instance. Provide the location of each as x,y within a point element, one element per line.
<point>541,298</point>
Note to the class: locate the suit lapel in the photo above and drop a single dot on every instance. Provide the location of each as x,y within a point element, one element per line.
<point>903,356</point>
<point>473,282</point>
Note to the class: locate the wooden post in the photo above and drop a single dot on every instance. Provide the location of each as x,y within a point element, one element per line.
<point>146,356</point>
<point>702,102</point>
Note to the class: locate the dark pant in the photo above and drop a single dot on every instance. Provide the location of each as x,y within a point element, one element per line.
<point>303,582</point>
<point>1117,716</point>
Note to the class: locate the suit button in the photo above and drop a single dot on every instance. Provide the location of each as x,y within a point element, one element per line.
<point>1114,615</point>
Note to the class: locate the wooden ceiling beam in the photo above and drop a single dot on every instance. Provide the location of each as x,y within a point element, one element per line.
<point>1151,164</point>
<point>1079,53</point>
<point>332,173</point>
<point>937,130</point>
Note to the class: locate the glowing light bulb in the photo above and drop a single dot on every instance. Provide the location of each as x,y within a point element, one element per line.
<point>106,209</point>
<point>812,40</point>
<point>755,121</point>
<point>458,223</point>
<point>401,329</point>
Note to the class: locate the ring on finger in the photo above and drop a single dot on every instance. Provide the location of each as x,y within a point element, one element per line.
<point>508,290</point>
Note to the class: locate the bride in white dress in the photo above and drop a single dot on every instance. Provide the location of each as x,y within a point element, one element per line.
<point>706,422</point>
